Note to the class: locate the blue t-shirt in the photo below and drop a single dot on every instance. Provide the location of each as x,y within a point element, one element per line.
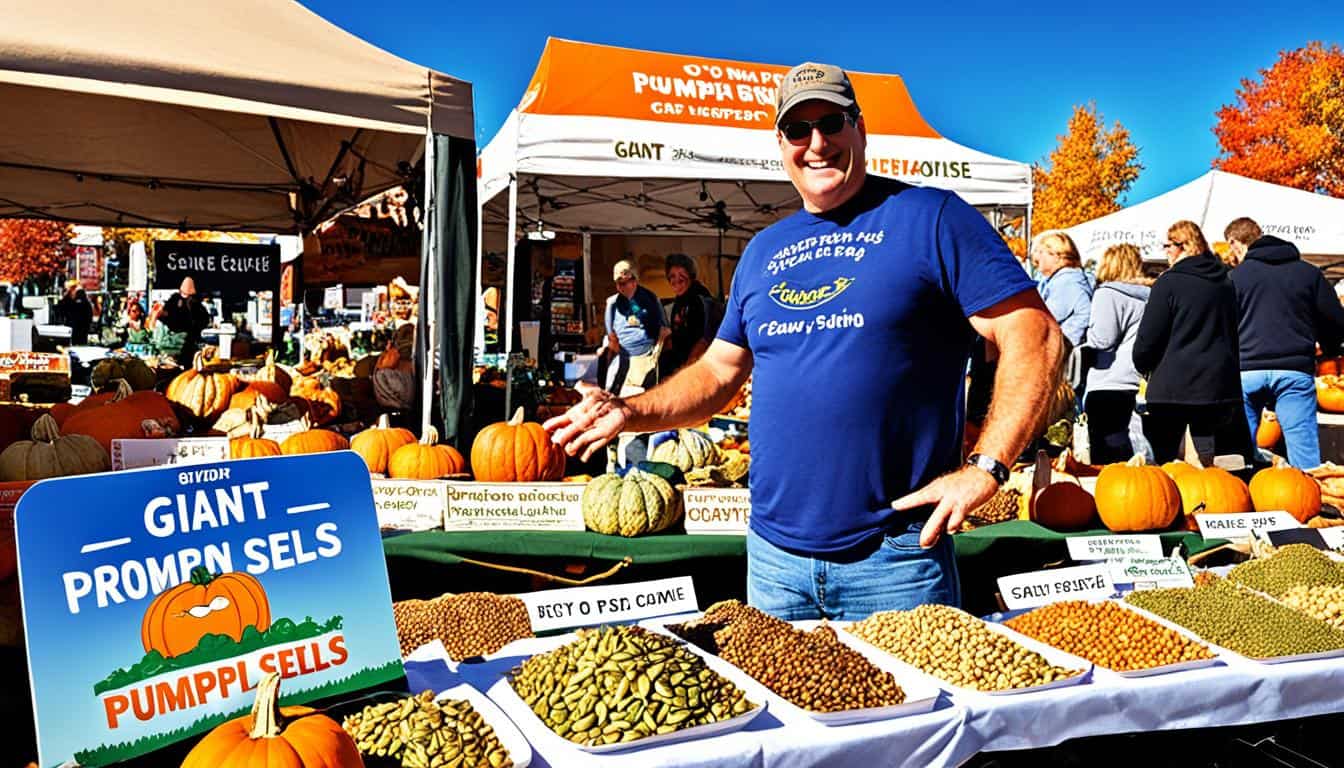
<point>856,319</point>
<point>636,321</point>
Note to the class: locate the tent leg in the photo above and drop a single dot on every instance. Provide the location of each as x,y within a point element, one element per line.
<point>429,290</point>
<point>510,269</point>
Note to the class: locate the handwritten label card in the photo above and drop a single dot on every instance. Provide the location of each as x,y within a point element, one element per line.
<point>1091,548</point>
<point>1239,526</point>
<point>131,453</point>
<point>514,507</point>
<point>410,505</point>
<point>717,510</point>
<point>1037,588</point>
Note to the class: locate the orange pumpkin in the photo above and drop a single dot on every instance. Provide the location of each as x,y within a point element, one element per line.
<point>273,373</point>
<point>1177,468</point>
<point>1211,491</point>
<point>1286,488</point>
<point>1063,505</point>
<point>1270,432</point>
<point>124,416</point>
<point>202,391</point>
<point>247,396</point>
<point>426,460</point>
<point>1329,366</point>
<point>323,404</point>
<point>225,604</point>
<point>516,451</point>
<point>276,737</point>
<point>1330,394</point>
<point>61,412</point>
<point>1135,496</point>
<point>252,445</point>
<point>313,441</point>
<point>376,444</point>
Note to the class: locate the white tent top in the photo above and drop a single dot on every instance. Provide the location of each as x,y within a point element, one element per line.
<point>621,140</point>
<point>1314,223</point>
<point>209,114</point>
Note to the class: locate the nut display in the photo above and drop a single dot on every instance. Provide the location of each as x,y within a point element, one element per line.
<point>1324,603</point>
<point>1240,620</point>
<point>424,733</point>
<point>1108,635</point>
<point>1289,566</point>
<point>469,624</point>
<point>1001,507</point>
<point>624,683</point>
<point>812,670</point>
<point>957,647</point>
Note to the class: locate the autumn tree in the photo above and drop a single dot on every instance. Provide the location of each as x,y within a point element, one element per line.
<point>34,249</point>
<point>1288,126</point>
<point>1086,174</point>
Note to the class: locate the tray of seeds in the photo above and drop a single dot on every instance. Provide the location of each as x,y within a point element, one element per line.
<point>1113,637</point>
<point>460,728</point>
<point>1293,565</point>
<point>809,668</point>
<point>1243,622</point>
<point>470,624</point>
<point>623,687</point>
<point>969,654</point>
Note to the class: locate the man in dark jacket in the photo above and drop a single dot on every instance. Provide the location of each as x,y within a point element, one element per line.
<point>1187,344</point>
<point>184,313</point>
<point>1285,308</point>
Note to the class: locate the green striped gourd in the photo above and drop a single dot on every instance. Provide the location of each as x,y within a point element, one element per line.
<point>688,450</point>
<point>641,502</point>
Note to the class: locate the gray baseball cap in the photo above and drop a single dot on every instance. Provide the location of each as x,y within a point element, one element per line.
<point>813,81</point>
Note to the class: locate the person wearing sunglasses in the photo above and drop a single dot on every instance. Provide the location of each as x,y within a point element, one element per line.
<point>1187,346</point>
<point>856,316</point>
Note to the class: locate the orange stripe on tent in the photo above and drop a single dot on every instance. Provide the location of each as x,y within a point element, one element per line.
<point>584,79</point>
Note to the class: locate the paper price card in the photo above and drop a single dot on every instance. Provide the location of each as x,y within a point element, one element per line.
<point>515,507</point>
<point>410,505</point>
<point>1037,588</point>
<point>589,606</point>
<point>1090,548</point>
<point>132,453</point>
<point>717,510</point>
<point>1151,573</point>
<point>154,613</point>
<point>1240,525</point>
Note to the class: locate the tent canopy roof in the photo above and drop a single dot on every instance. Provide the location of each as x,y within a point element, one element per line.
<point>253,114</point>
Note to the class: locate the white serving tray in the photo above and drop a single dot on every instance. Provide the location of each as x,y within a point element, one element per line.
<point>1052,655</point>
<point>520,752</point>
<point>509,699</point>
<point>1230,654</point>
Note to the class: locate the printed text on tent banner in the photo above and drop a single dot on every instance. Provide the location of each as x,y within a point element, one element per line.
<point>155,600</point>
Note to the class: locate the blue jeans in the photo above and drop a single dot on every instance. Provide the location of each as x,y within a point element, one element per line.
<point>1292,397</point>
<point>894,575</point>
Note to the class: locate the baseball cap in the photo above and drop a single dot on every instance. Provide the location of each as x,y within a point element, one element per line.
<point>622,269</point>
<point>811,80</point>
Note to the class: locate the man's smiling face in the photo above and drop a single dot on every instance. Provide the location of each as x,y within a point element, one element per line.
<point>825,169</point>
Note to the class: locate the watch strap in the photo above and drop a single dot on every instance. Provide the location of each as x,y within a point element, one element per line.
<point>993,466</point>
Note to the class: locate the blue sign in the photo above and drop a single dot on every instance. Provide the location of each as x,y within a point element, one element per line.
<point>155,600</point>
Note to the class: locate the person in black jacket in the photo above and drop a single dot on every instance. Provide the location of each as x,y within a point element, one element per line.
<point>1286,308</point>
<point>76,311</point>
<point>184,313</point>
<point>1187,344</point>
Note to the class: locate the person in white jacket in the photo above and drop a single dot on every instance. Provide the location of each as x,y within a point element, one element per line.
<point>1112,382</point>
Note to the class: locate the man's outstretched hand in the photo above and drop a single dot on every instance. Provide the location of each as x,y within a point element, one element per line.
<point>956,495</point>
<point>590,424</point>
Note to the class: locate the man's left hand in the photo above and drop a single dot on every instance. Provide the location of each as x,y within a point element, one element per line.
<point>956,495</point>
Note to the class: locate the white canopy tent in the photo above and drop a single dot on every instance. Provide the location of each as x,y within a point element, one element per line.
<point>618,141</point>
<point>1315,223</point>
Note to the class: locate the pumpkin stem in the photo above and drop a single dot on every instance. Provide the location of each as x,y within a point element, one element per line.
<point>517,417</point>
<point>267,722</point>
<point>254,423</point>
<point>198,361</point>
<point>1137,461</point>
<point>431,436</point>
<point>384,422</point>
<point>1280,463</point>
<point>45,429</point>
<point>201,576</point>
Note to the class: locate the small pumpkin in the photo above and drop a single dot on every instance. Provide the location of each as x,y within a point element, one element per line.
<point>1287,488</point>
<point>1330,393</point>
<point>252,445</point>
<point>639,503</point>
<point>51,454</point>
<point>1135,496</point>
<point>129,368</point>
<point>426,460</point>
<point>180,616</point>
<point>124,416</point>
<point>276,737</point>
<point>376,444</point>
<point>1177,468</point>
<point>516,451</point>
<point>312,440</point>
<point>685,449</point>
<point>202,391</point>
<point>1063,505</point>
<point>1329,366</point>
<point>394,388</point>
<point>1269,432</point>
<point>273,373</point>
<point>1211,491</point>
<point>246,397</point>
<point>323,404</point>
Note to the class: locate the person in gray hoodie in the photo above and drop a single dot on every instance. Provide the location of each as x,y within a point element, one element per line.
<point>1112,381</point>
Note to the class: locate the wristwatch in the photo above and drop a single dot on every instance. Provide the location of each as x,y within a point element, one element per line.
<point>993,466</point>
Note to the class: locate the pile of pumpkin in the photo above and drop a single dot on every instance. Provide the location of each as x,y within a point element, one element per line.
<point>1329,385</point>
<point>1135,496</point>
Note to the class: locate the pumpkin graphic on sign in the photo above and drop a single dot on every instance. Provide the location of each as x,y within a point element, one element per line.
<point>208,604</point>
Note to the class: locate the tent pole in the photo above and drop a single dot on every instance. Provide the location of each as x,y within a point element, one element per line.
<point>478,338</point>
<point>510,269</point>
<point>429,290</point>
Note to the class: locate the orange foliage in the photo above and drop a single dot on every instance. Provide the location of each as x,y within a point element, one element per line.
<point>1288,126</point>
<point>1086,174</point>
<point>32,248</point>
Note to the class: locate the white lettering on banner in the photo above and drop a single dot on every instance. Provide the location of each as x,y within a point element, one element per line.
<point>131,453</point>
<point>514,507</point>
<point>1030,590</point>
<point>1240,525</point>
<point>410,505</point>
<point>717,510</point>
<point>217,263</point>
<point>590,606</point>
<point>1151,573</point>
<point>1089,548</point>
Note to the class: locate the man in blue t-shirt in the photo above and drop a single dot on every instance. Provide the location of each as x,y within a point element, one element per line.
<point>857,315</point>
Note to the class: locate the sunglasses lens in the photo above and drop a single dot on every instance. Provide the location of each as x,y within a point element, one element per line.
<point>796,131</point>
<point>831,124</point>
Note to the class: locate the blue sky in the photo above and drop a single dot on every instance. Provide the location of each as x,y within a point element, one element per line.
<point>999,77</point>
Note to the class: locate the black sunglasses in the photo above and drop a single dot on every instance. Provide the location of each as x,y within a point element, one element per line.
<point>829,125</point>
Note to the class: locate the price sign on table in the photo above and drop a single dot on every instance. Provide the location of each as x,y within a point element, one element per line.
<point>1037,588</point>
<point>1239,526</point>
<point>717,510</point>
<point>1090,548</point>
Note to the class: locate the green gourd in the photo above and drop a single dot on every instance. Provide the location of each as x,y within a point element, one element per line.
<point>686,450</point>
<point>639,503</point>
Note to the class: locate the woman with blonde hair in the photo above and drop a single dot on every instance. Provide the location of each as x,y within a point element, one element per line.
<point>1187,344</point>
<point>1065,289</point>
<point>1112,383</point>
